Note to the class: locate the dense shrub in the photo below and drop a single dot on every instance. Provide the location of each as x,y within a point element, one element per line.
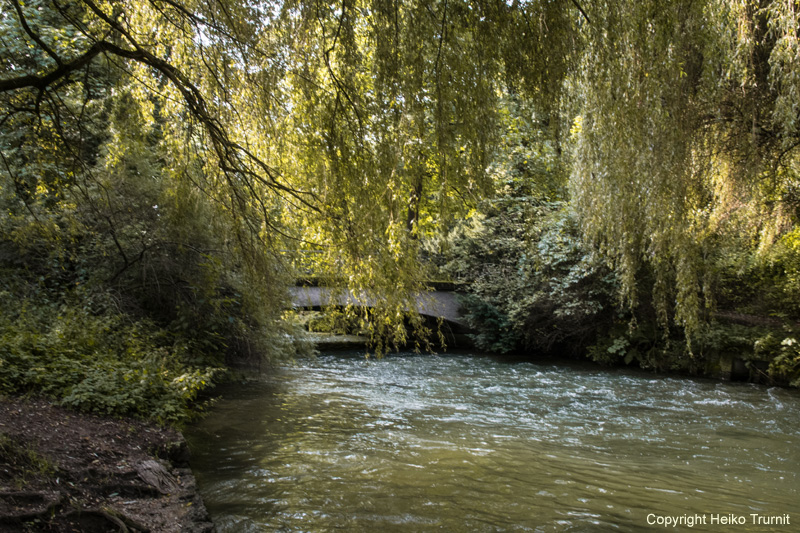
<point>96,360</point>
<point>539,291</point>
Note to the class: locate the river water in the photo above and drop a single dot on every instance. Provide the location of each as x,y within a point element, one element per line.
<point>474,443</point>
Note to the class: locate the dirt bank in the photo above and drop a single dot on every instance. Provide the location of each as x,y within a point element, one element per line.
<point>62,471</point>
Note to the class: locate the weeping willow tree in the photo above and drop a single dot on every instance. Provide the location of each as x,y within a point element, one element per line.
<point>686,136</point>
<point>341,131</point>
<point>391,125</point>
<point>386,113</point>
<point>109,127</point>
<point>347,131</point>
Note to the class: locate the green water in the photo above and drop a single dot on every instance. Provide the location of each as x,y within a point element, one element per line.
<point>471,443</point>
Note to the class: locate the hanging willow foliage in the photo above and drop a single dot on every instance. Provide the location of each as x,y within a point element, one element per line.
<point>349,129</point>
<point>687,127</point>
<point>337,134</point>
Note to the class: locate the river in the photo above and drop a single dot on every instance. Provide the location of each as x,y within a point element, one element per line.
<point>475,443</point>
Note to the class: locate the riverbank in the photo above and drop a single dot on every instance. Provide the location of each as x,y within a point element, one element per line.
<point>62,471</point>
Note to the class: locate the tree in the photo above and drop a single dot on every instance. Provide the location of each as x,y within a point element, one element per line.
<point>134,262</point>
<point>351,127</point>
<point>685,133</point>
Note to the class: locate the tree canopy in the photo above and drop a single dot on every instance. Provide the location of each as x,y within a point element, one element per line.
<point>686,132</point>
<point>335,136</point>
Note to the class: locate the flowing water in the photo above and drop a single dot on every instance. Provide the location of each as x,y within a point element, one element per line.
<point>473,443</point>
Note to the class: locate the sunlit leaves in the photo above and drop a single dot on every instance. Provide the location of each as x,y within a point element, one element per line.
<point>338,135</point>
<point>688,125</point>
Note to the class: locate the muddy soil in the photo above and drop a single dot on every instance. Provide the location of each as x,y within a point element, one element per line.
<point>62,471</point>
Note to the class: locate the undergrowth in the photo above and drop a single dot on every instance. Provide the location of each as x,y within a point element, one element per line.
<point>95,360</point>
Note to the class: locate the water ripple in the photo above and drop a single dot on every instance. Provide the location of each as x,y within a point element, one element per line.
<point>468,443</point>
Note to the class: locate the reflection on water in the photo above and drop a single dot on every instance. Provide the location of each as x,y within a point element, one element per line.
<point>470,443</point>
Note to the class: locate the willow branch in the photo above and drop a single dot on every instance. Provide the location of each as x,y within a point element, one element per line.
<point>63,70</point>
<point>575,2</point>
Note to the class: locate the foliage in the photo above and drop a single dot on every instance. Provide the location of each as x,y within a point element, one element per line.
<point>491,327</point>
<point>545,293</point>
<point>96,361</point>
<point>537,285</point>
<point>121,296</point>
<point>348,129</point>
<point>684,133</point>
<point>125,287</point>
<point>786,365</point>
<point>534,284</point>
<point>190,157</point>
<point>781,265</point>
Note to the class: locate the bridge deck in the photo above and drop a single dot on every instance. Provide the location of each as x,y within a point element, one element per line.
<point>437,304</point>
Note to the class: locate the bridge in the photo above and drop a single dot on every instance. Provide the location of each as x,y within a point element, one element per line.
<point>440,303</point>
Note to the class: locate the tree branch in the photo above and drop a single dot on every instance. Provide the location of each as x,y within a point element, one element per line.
<point>234,159</point>
<point>61,71</point>
<point>575,2</point>
<point>38,40</point>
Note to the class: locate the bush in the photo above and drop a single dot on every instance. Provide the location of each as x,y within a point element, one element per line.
<point>533,284</point>
<point>787,364</point>
<point>783,350</point>
<point>101,363</point>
